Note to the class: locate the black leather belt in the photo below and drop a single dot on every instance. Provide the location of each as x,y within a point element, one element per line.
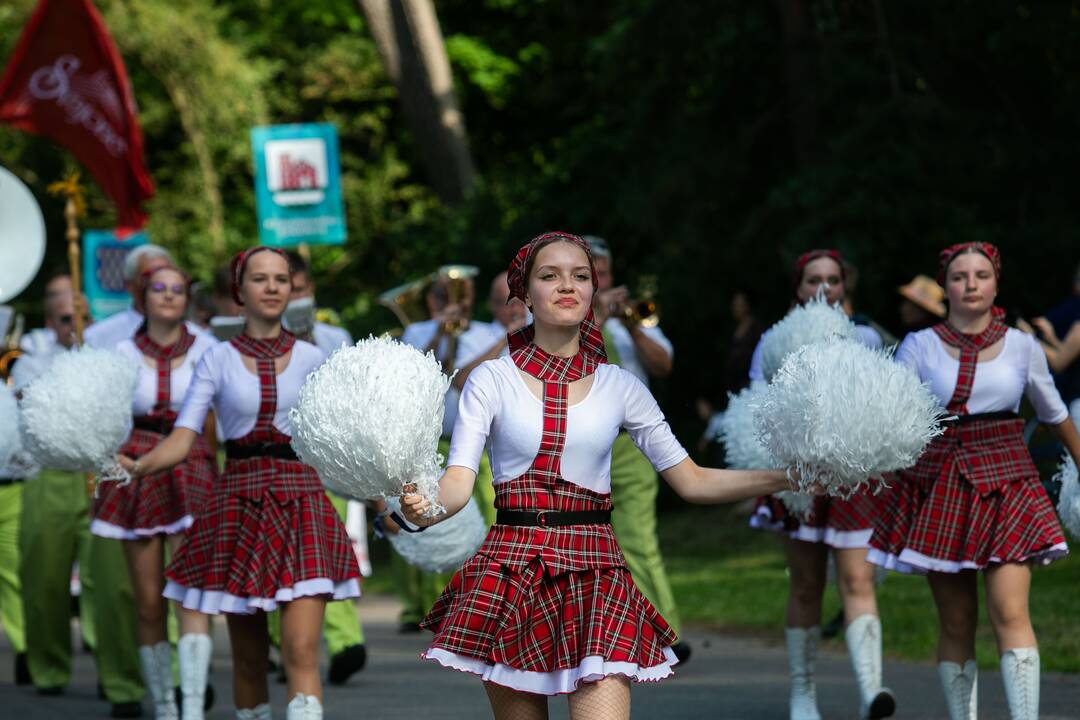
<point>246,451</point>
<point>10,481</point>
<point>982,417</point>
<point>552,518</point>
<point>161,426</point>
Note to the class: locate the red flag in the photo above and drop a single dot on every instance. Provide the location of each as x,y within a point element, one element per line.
<point>66,81</point>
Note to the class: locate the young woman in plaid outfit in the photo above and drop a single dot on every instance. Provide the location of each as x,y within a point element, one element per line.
<point>163,505</point>
<point>832,524</point>
<point>974,500</point>
<point>547,605</point>
<point>267,536</point>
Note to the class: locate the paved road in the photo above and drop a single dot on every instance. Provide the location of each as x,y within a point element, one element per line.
<point>728,677</point>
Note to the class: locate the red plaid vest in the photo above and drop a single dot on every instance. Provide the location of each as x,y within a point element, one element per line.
<point>163,357</point>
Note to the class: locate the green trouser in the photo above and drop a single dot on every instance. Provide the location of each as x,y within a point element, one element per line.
<point>53,535</point>
<point>341,623</point>
<point>634,485</point>
<point>419,590</point>
<point>11,606</point>
<point>116,651</point>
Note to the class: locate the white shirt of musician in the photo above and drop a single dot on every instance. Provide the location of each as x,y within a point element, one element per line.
<point>222,381</point>
<point>1020,369</point>
<point>329,338</point>
<point>624,346</point>
<point>471,344</point>
<point>499,411</point>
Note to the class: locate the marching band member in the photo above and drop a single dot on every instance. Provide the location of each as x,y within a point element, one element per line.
<point>974,500</point>
<point>646,353</point>
<point>159,508</point>
<point>842,526</point>
<point>547,605</point>
<point>268,537</point>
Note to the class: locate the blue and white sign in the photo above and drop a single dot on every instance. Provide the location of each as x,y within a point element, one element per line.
<point>298,185</point>
<point>103,256</point>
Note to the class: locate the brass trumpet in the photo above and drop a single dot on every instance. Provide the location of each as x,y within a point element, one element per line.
<point>457,278</point>
<point>644,310</point>
<point>10,341</point>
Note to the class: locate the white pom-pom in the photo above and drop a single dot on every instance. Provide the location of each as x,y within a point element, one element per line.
<point>743,449</point>
<point>369,420</point>
<point>844,415</point>
<point>808,323</point>
<point>9,425</point>
<point>1069,500</point>
<point>77,414</point>
<point>445,545</point>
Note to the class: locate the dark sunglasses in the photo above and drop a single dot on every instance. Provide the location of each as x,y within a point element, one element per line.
<point>160,287</point>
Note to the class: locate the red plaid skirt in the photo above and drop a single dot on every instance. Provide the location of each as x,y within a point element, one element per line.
<point>268,534</point>
<point>163,503</point>
<point>973,499</point>
<point>834,521</point>
<point>545,609</point>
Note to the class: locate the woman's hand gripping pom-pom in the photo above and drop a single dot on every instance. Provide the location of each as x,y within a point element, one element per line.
<point>77,414</point>
<point>743,449</point>
<point>369,420</point>
<point>444,545</point>
<point>813,322</point>
<point>1069,501</point>
<point>844,415</point>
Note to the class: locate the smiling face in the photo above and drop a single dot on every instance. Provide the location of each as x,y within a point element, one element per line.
<point>166,296</point>
<point>265,285</point>
<point>970,284</point>
<point>560,289</point>
<point>821,272</point>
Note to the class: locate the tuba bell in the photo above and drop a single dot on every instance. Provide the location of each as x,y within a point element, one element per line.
<point>407,301</point>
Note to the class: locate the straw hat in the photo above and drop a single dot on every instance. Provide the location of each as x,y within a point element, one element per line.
<point>926,293</point>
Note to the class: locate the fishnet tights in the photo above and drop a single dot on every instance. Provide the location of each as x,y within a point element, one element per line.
<point>608,699</point>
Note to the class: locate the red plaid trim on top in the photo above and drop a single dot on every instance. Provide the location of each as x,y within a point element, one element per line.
<point>163,356</point>
<point>969,346</point>
<point>973,497</point>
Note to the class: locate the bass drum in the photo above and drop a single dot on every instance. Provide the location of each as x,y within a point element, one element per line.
<point>22,236</point>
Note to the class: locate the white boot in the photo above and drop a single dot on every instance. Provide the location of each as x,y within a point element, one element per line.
<point>304,707</point>
<point>1020,673</point>
<point>194,652</point>
<point>961,685</point>
<point>802,651</point>
<point>863,637</point>
<point>259,712</point>
<point>156,661</point>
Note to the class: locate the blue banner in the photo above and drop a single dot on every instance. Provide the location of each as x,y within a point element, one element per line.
<point>298,185</point>
<point>103,256</point>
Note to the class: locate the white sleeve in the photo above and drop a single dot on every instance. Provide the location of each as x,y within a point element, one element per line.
<point>908,353</point>
<point>200,395</point>
<point>1040,389</point>
<point>869,337</point>
<point>756,373</point>
<point>647,426</point>
<point>657,335</point>
<point>476,411</point>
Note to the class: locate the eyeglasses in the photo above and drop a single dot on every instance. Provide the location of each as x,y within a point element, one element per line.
<point>160,287</point>
<point>69,319</point>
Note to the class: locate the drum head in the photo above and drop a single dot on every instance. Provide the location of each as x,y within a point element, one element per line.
<point>22,236</point>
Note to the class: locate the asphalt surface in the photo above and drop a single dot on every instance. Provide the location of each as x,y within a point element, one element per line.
<point>727,677</point>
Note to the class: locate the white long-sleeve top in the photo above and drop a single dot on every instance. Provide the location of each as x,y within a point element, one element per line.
<point>1019,369</point>
<point>221,380</point>
<point>179,378</point>
<point>500,412</point>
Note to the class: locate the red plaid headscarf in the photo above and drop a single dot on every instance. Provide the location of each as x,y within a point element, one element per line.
<point>969,345</point>
<point>239,264</point>
<point>987,250</point>
<point>592,350</point>
<point>808,257</point>
<point>144,285</point>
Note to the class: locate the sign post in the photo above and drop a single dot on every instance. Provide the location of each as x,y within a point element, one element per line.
<point>298,185</point>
